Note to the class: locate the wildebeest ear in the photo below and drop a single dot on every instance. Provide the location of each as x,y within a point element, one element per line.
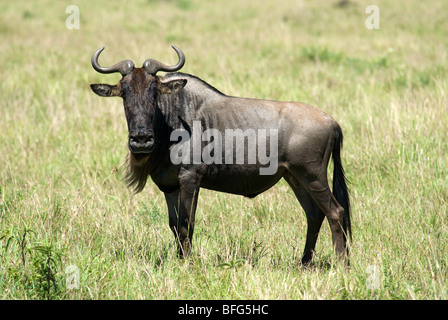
<point>172,86</point>
<point>105,90</point>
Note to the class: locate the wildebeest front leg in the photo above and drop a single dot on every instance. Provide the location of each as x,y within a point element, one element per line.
<point>187,209</point>
<point>172,200</point>
<point>181,209</point>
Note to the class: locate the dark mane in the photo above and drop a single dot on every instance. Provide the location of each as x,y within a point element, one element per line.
<point>187,75</point>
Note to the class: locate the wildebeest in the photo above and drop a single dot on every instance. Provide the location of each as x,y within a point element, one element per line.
<point>156,106</point>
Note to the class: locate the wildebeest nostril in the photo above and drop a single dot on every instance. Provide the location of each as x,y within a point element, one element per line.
<point>141,135</point>
<point>141,138</point>
<point>141,142</point>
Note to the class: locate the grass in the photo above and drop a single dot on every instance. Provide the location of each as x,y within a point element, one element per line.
<point>63,202</point>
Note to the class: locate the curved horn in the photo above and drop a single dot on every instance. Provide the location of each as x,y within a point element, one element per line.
<point>124,67</point>
<point>154,66</point>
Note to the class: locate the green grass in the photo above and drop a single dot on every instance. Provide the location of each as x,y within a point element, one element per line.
<point>63,202</point>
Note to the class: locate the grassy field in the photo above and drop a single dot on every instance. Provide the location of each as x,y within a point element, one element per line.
<point>65,211</point>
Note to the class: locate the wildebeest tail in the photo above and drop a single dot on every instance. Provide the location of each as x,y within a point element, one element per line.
<point>340,189</point>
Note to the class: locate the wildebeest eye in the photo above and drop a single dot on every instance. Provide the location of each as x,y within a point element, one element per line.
<point>152,89</point>
<point>125,88</point>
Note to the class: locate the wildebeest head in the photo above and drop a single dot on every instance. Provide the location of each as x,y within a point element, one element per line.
<point>139,88</point>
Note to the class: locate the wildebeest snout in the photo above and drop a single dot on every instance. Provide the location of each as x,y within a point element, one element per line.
<point>141,140</point>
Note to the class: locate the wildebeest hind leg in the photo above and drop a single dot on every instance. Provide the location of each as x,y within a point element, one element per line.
<point>314,217</point>
<point>320,192</point>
